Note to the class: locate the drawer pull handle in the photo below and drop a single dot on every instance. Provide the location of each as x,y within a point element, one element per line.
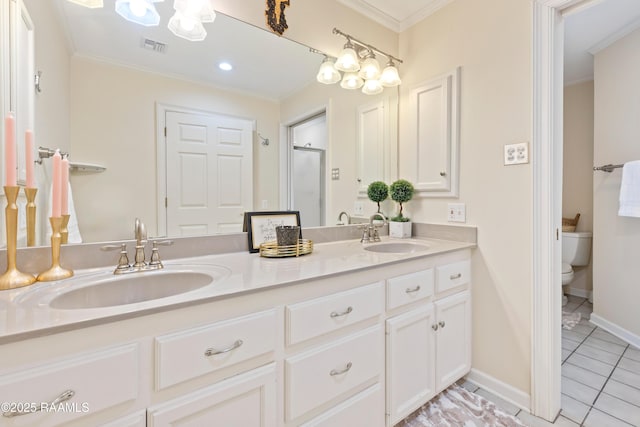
<point>63,397</point>
<point>434,326</point>
<point>212,351</point>
<point>455,276</point>
<point>409,290</point>
<point>335,372</point>
<point>441,323</point>
<point>344,313</point>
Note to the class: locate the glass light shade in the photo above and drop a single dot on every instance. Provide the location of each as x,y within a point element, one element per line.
<point>327,73</point>
<point>189,28</point>
<point>351,81</point>
<point>91,4</point>
<point>372,87</point>
<point>141,12</point>
<point>390,76</point>
<point>370,69</point>
<point>348,59</point>
<point>202,9</point>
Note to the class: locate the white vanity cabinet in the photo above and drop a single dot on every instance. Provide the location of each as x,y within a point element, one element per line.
<point>428,347</point>
<point>248,399</point>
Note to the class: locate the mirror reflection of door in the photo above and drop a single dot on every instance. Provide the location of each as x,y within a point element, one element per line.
<point>209,173</point>
<point>308,165</point>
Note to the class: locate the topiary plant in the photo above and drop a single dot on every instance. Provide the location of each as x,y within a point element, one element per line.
<point>401,192</point>
<point>378,192</point>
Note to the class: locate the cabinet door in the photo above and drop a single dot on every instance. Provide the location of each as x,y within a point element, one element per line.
<point>410,362</point>
<point>247,400</point>
<point>453,347</point>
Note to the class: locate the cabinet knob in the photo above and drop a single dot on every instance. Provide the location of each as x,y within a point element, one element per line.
<point>343,313</point>
<point>443,174</point>
<point>441,323</point>
<point>346,369</point>
<point>434,327</point>
<point>212,351</point>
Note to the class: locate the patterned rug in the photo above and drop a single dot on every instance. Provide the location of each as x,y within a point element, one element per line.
<point>569,320</point>
<point>458,407</point>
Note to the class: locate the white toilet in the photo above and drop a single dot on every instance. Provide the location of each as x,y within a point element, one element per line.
<point>576,252</point>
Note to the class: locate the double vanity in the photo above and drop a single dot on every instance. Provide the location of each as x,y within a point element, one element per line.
<point>349,335</point>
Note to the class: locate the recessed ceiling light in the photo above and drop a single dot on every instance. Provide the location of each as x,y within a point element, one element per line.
<point>225,66</point>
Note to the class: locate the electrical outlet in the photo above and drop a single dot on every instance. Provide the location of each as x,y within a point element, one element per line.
<point>358,208</point>
<point>265,204</point>
<point>456,212</point>
<point>516,154</point>
<point>335,174</point>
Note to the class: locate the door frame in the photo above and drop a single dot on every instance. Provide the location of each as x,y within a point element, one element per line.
<point>547,145</point>
<point>161,154</point>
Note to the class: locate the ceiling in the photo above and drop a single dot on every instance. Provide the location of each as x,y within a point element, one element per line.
<point>257,55</point>
<point>396,15</point>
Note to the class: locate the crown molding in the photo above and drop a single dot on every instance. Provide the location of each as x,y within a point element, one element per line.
<point>377,15</point>
<point>614,37</point>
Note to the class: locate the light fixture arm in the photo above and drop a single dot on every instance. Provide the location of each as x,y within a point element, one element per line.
<point>365,45</point>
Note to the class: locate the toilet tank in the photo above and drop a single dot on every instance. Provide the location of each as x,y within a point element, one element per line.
<point>576,248</point>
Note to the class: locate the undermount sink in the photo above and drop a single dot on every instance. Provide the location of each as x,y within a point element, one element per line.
<point>397,247</point>
<point>131,289</point>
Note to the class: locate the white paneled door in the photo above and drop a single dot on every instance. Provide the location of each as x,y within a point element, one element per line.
<point>209,173</point>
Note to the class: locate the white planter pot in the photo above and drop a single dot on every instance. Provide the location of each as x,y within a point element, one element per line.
<point>400,229</point>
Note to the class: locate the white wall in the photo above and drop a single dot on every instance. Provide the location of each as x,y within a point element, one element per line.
<point>616,140</point>
<point>577,180</point>
<point>114,124</point>
<point>491,41</point>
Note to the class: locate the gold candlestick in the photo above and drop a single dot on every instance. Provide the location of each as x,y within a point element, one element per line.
<point>56,272</point>
<point>13,278</point>
<point>31,215</point>
<point>64,231</point>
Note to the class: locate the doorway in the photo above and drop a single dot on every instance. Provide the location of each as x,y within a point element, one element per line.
<point>307,169</point>
<point>205,172</point>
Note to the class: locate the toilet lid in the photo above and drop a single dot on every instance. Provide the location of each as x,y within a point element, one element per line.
<point>566,268</point>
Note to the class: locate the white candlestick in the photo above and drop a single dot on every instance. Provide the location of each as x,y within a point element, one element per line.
<point>64,191</point>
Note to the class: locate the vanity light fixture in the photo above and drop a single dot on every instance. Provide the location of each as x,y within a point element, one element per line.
<point>360,67</point>
<point>91,4</point>
<point>141,12</point>
<point>189,17</point>
<point>328,73</point>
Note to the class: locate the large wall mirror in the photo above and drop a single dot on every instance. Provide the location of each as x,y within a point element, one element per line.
<point>110,87</point>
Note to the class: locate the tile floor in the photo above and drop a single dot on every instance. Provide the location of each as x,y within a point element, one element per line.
<point>600,378</point>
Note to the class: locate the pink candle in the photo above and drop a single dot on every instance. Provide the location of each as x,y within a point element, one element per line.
<point>57,184</point>
<point>28,155</point>
<point>10,150</point>
<point>64,182</point>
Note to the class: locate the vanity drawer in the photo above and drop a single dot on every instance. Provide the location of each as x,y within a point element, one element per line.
<point>364,409</point>
<point>410,287</point>
<point>94,381</point>
<point>453,275</point>
<point>317,376</point>
<point>319,316</point>
<point>188,354</point>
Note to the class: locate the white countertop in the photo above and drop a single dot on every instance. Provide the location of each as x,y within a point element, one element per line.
<point>25,312</point>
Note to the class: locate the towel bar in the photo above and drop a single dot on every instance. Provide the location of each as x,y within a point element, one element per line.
<point>607,168</point>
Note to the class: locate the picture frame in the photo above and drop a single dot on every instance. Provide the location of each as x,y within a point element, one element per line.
<point>261,226</point>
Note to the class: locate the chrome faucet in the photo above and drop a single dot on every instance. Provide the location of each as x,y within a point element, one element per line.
<point>370,233</point>
<point>140,263</point>
<point>340,218</point>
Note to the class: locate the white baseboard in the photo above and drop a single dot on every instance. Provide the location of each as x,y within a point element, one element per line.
<point>616,330</point>
<point>577,292</point>
<point>501,389</point>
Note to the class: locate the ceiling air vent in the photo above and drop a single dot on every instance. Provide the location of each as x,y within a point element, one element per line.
<point>153,45</point>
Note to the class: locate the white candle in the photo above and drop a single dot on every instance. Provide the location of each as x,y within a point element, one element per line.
<point>57,184</point>
<point>28,151</point>
<point>64,182</point>
<point>10,150</point>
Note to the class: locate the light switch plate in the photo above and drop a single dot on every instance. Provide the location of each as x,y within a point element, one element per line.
<point>516,154</point>
<point>358,208</point>
<point>335,174</point>
<point>456,212</point>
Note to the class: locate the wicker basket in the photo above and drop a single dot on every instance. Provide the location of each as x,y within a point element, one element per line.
<point>272,250</point>
<point>569,224</point>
